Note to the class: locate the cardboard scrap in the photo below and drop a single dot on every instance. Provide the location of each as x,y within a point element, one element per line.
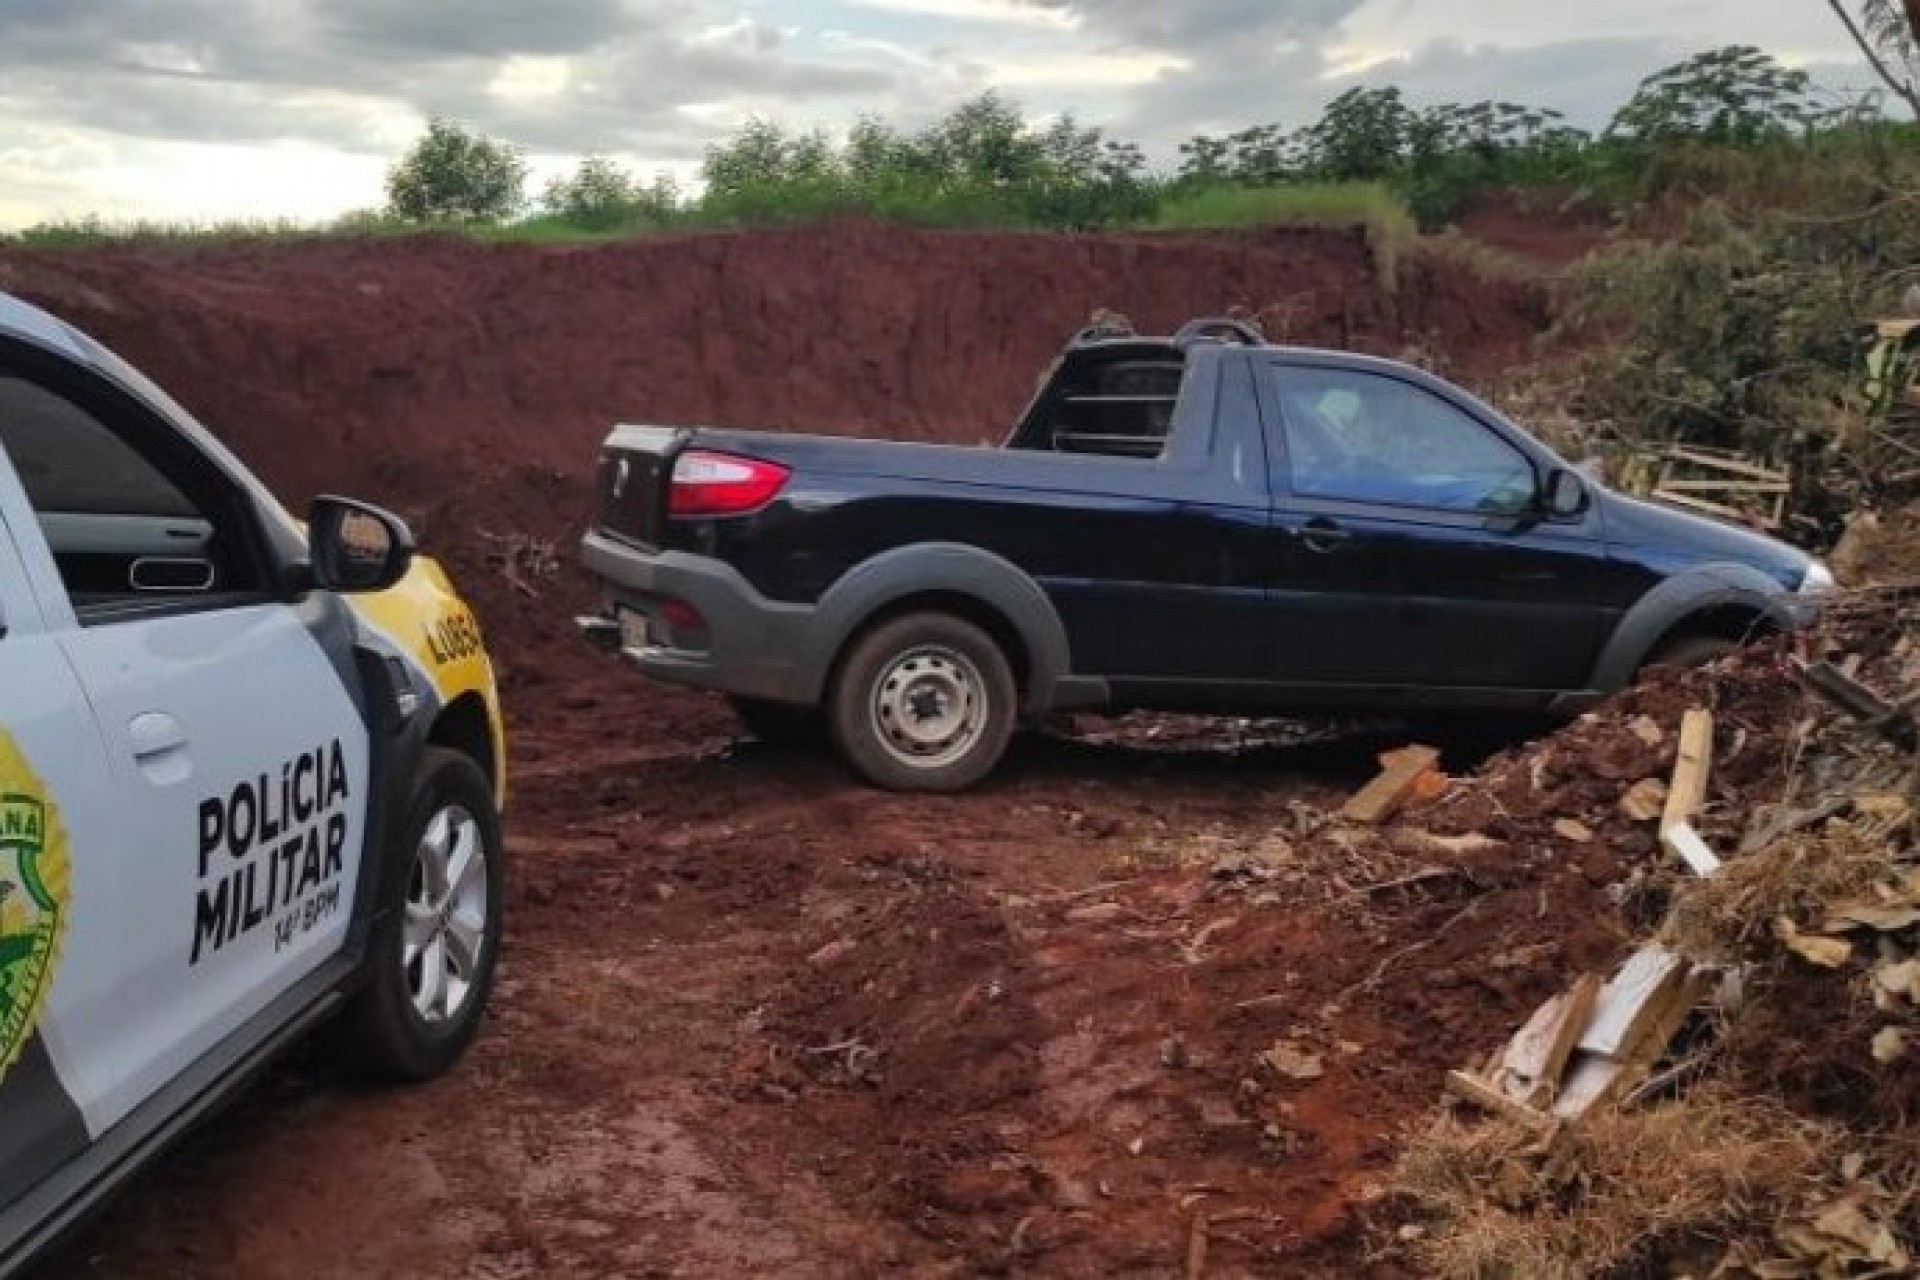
<point>1401,776</point>
<point>1292,1061</point>
<point>1814,948</point>
<point>1645,800</point>
<point>1880,917</point>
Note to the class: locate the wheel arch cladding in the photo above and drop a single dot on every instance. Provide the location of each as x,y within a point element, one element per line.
<point>1728,600</point>
<point>463,725</point>
<point>985,589</point>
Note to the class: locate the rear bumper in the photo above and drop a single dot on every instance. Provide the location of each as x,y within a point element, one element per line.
<point>745,643</point>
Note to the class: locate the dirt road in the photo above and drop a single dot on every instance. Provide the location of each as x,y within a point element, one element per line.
<point>670,1086</point>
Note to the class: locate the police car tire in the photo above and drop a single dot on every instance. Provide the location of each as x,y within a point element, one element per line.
<point>380,1034</point>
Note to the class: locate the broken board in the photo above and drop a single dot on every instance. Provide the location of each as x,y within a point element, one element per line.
<point>1688,789</point>
<point>1402,773</point>
<point>1536,1057</point>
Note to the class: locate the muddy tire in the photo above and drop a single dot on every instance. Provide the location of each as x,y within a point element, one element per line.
<point>780,724</point>
<point>923,702</point>
<point>1691,651</point>
<point>431,957</point>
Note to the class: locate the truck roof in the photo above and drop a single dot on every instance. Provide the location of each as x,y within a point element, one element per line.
<point>1110,337</point>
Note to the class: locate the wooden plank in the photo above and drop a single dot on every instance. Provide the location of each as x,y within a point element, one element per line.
<point>1727,486</point>
<point>1537,1055</point>
<point>1592,1080</point>
<point>1688,789</point>
<point>1686,998</point>
<point>1632,1001</point>
<point>1401,772</point>
<point>1481,1094</point>
<point>1684,843</point>
<point>1892,722</point>
<point>1728,462</point>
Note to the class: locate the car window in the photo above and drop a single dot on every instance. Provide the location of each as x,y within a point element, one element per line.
<point>70,463</point>
<point>1365,437</point>
<point>127,535</point>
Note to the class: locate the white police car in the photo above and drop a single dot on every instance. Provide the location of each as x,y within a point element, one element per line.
<point>250,782</point>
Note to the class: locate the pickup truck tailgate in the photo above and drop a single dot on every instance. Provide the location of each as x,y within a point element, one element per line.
<point>635,464</point>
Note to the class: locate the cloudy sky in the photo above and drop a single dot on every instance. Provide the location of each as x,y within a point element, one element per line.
<point>198,109</point>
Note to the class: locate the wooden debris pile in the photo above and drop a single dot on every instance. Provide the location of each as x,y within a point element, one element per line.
<point>1599,1040</point>
<point>1771,1018</point>
<point>1717,482</point>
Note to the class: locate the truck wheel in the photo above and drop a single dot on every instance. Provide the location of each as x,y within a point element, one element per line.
<point>431,955</point>
<point>779,724</point>
<point>925,702</point>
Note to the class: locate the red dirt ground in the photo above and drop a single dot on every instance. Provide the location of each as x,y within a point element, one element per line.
<point>754,1018</point>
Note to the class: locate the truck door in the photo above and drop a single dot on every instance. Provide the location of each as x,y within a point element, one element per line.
<point>1408,562</point>
<point>59,902</point>
<point>235,758</point>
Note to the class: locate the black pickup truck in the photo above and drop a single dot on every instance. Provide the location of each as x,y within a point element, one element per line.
<point>1202,522</point>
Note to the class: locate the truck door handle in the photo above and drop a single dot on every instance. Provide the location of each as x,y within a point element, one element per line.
<point>159,747</point>
<point>1323,535</point>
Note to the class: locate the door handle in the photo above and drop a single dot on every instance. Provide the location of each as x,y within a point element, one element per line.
<point>1323,535</point>
<point>159,747</point>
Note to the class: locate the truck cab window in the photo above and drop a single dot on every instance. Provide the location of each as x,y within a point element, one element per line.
<point>125,536</point>
<point>1111,404</point>
<point>1364,437</point>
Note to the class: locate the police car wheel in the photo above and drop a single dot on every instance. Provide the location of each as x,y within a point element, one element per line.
<point>431,957</point>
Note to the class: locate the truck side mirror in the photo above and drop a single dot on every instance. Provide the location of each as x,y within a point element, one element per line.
<point>357,547</point>
<point>1565,494</point>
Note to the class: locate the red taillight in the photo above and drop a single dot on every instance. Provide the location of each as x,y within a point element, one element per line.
<point>681,616</point>
<point>719,484</point>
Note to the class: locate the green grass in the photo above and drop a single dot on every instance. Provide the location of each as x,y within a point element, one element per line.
<point>1371,206</point>
<point>1368,205</point>
<point>93,232</point>
<point>1319,204</point>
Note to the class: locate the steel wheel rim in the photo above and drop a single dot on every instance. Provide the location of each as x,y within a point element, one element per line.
<point>929,706</point>
<point>444,938</point>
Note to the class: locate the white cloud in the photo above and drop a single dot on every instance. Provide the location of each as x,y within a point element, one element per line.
<point>1093,70</point>
<point>1010,12</point>
<point>206,108</point>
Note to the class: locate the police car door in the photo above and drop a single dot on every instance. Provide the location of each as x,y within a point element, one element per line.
<point>59,903</point>
<point>237,759</point>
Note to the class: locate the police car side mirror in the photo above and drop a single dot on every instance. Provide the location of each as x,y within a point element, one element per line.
<point>356,546</point>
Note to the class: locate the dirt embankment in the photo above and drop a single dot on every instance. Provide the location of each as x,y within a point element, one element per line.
<point>406,365</point>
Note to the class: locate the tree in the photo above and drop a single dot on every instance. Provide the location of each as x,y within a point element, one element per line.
<point>763,155</point>
<point>602,196</point>
<point>984,142</point>
<point>1889,34</point>
<point>1735,95</point>
<point>452,175</point>
<point>1363,136</point>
